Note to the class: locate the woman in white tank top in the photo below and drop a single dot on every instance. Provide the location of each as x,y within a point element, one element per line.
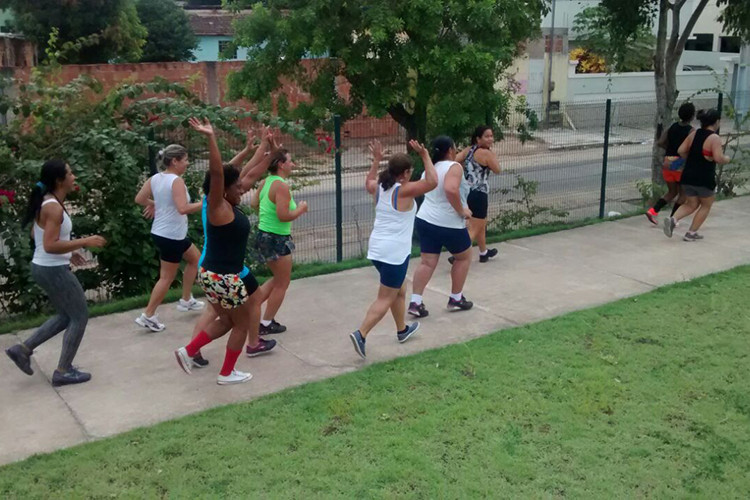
<point>164,197</point>
<point>441,223</point>
<point>390,240</point>
<point>53,253</point>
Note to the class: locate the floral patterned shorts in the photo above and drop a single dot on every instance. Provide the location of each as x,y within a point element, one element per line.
<point>227,290</point>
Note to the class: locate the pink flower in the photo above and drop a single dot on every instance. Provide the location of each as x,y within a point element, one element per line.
<point>11,195</point>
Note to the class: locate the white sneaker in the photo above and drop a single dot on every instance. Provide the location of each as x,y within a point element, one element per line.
<point>236,377</point>
<point>151,323</point>
<point>183,359</point>
<point>190,305</point>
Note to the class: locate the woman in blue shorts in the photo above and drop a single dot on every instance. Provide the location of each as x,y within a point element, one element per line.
<point>441,222</point>
<point>390,241</point>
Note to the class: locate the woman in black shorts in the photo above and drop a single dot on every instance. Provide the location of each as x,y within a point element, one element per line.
<point>479,161</point>
<point>227,231</point>
<point>441,223</point>
<point>165,196</point>
<point>702,150</point>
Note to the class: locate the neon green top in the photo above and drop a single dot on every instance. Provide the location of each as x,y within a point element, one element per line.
<point>268,219</point>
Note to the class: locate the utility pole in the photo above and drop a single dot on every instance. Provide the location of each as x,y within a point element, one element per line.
<point>741,84</point>
<point>549,66</point>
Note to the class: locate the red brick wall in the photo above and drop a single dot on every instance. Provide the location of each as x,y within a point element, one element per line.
<point>210,83</point>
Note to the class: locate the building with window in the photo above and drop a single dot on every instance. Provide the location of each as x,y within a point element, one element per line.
<point>213,28</point>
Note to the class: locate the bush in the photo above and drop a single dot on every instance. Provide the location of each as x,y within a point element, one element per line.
<point>105,137</point>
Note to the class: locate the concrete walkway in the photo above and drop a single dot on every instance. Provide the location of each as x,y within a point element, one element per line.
<point>136,381</point>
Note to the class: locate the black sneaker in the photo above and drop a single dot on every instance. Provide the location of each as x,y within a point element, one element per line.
<point>274,327</point>
<point>199,361</point>
<point>460,305</point>
<point>492,252</point>
<point>358,342</point>
<point>263,347</point>
<point>410,330</point>
<point>418,311</point>
<point>451,260</point>
<point>21,358</point>
<point>72,376</point>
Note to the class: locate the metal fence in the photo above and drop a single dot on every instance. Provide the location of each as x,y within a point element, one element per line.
<point>587,159</point>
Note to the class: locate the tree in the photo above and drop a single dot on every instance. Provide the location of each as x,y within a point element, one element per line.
<point>430,64</point>
<point>674,25</point>
<point>111,27</point>
<point>105,137</point>
<point>170,37</point>
<point>594,37</point>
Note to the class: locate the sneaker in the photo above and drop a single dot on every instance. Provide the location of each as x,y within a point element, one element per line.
<point>21,358</point>
<point>236,377</point>
<point>183,359</point>
<point>263,347</point>
<point>410,330</point>
<point>692,237</point>
<point>418,310</point>
<point>460,305</point>
<point>451,260</point>
<point>151,323</point>
<point>358,342</point>
<point>274,327</point>
<point>190,305</point>
<point>72,376</point>
<point>651,215</point>
<point>492,252</point>
<point>669,225</point>
<point>199,361</point>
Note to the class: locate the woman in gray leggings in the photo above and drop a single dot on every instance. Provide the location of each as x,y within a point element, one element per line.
<point>50,268</point>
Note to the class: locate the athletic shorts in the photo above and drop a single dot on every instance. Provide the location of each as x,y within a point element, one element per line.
<point>671,175</point>
<point>699,191</point>
<point>272,246</point>
<point>227,290</point>
<point>433,238</point>
<point>170,250</point>
<point>391,275</point>
<point>478,202</point>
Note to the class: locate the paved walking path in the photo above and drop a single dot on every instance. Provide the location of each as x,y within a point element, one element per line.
<point>136,381</point>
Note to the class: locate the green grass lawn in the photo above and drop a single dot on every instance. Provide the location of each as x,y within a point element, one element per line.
<point>646,397</point>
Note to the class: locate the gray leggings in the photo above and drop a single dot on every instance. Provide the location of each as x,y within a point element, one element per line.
<point>66,295</point>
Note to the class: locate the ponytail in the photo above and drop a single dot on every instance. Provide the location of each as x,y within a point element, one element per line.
<point>708,117</point>
<point>52,171</point>
<point>440,147</point>
<point>397,165</point>
<point>171,152</point>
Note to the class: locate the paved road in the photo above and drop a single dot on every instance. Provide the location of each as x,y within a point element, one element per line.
<point>559,182</point>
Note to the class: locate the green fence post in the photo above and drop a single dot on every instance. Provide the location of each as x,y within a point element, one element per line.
<point>339,203</point>
<point>603,193</point>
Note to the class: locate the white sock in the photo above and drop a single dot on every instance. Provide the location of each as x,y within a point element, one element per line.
<point>417,299</point>
<point>457,296</point>
<point>265,322</point>
<point>483,253</point>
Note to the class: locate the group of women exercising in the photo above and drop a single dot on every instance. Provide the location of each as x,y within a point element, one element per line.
<point>452,195</point>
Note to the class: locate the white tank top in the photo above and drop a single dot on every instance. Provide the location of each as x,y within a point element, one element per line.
<point>390,240</point>
<point>168,222</point>
<point>436,209</point>
<point>41,257</point>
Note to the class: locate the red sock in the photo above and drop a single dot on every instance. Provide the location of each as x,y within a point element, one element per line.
<point>195,345</point>
<point>230,359</point>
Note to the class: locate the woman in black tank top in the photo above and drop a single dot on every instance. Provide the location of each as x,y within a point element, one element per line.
<point>702,150</point>
<point>670,141</point>
<point>227,232</point>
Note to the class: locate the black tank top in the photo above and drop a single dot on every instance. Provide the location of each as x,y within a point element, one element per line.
<point>225,245</point>
<point>676,135</point>
<point>698,170</point>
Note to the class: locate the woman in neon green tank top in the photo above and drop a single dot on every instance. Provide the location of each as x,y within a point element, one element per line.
<point>276,211</point>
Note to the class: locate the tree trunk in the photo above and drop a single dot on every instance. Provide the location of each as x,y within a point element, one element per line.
<point>405,119</point>
<point>666,61</point>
